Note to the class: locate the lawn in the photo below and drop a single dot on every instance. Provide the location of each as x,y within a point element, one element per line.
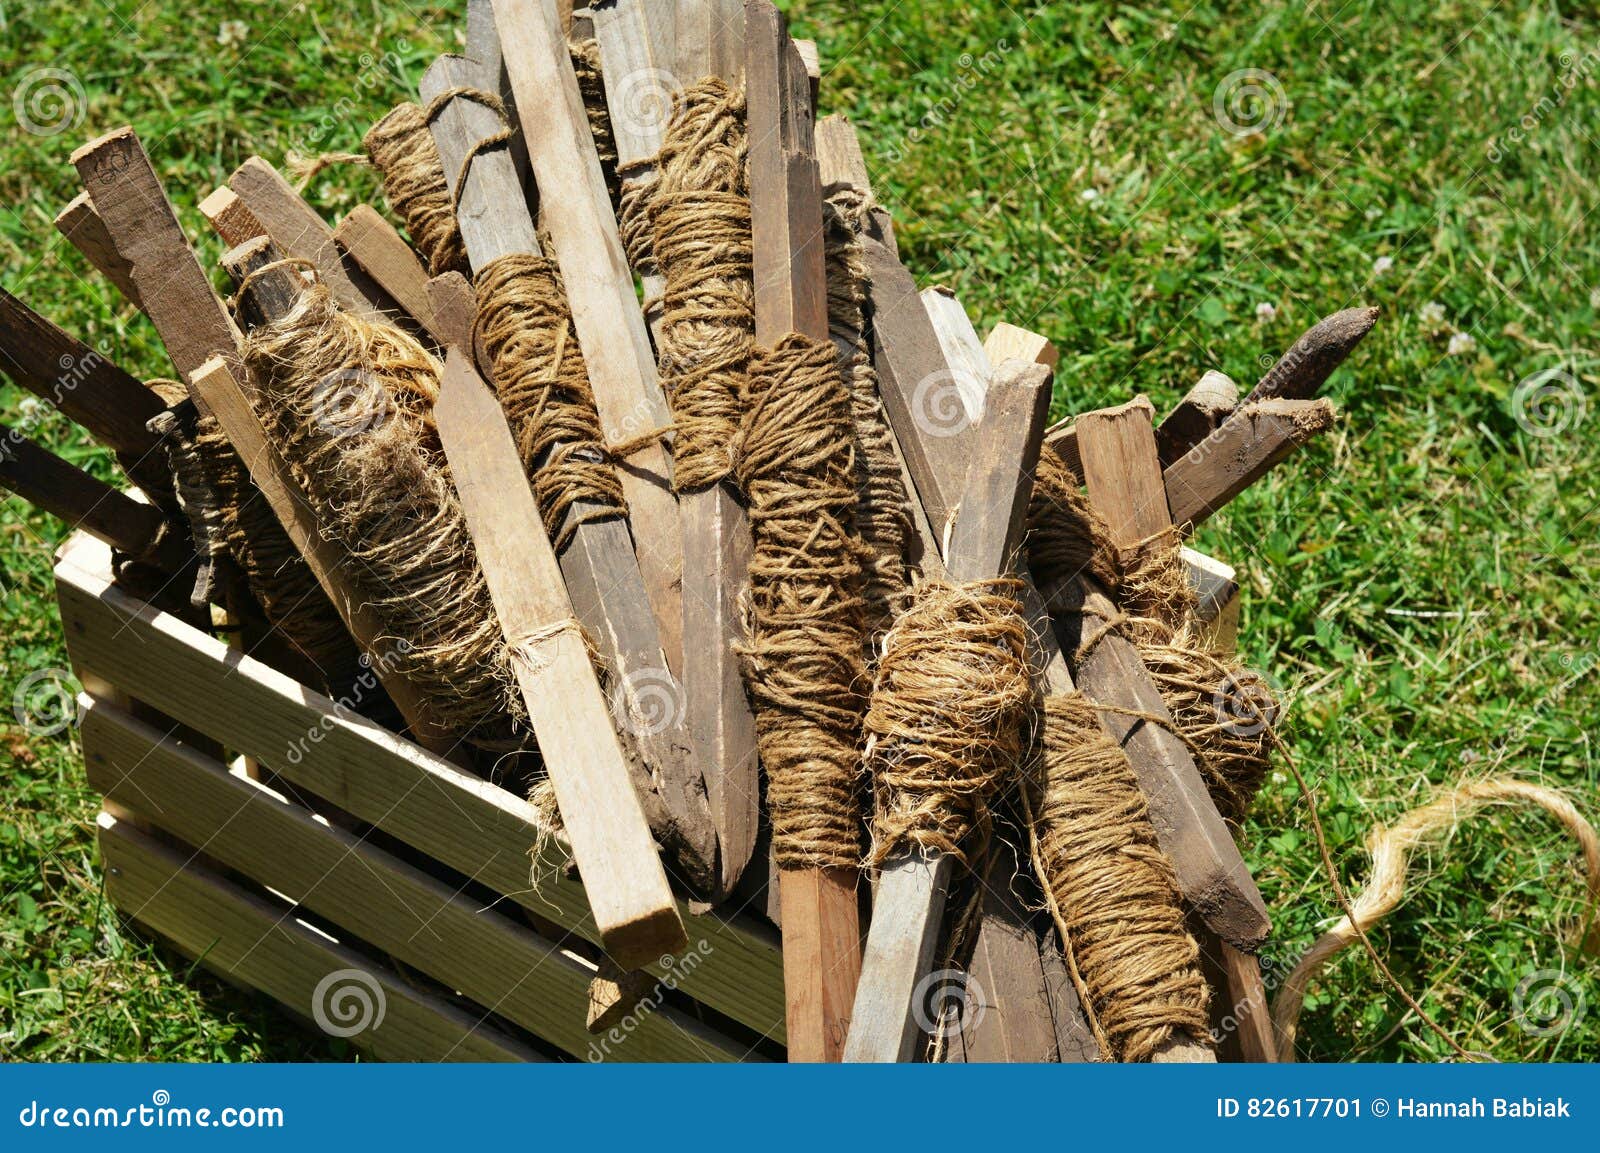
<point>1161,189</point>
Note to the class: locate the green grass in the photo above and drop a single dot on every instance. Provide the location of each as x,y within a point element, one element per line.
<point>1424,580</point>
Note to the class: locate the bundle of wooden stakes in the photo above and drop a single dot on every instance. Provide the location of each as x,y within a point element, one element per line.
<point>644,481</point>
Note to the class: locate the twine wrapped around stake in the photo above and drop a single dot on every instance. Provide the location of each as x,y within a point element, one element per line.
<point>882,512</point>
<point>1113,889</point>
<point>946,725</point>
<point>542,383</point>
<point>804,659</point>
<point>386,499</point>
<point>1222,711</point>
<point>402,149</point>
<point>699,209</point>
<point>592,88</point>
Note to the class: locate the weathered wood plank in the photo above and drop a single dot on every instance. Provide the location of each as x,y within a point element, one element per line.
<point>377,247</point>
<point>1300,373</point>
<point>1009,342</point>
<point>1241,452</point>
<point>80,223</point>
<point>1202,409</point>
<point>258,943</point>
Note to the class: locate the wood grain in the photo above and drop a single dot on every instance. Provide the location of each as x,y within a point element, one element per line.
<point>1202,409</point>
<point>1241,452</point>
<point>379,250</point>
<point>80,223</point>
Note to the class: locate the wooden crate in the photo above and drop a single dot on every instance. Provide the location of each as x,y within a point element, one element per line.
<point>419,876</point>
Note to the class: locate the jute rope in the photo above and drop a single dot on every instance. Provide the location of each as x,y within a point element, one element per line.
<point>946,724</point>
<point>1390,848</point>
<point>543,386</point>
<point>384,496</point>
<point>882,511</point>
<point>699,208</point>
<point>803,660</point>
<point>402,148</point>
<point>1112,889</point>
<point>591,86</point>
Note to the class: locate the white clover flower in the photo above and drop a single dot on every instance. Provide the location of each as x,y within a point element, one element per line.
<point>1382,265</point>
<point>1266,310</point>
<point>1432,314</point>
<point>1089,194</point>
<point>1460,342</point>
<point>29,408</point>
<point>231,32</point>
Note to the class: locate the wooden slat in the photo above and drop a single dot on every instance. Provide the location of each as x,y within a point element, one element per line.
<point>80,223</point>
<point>1202,409</point>
<point>604,820</point>
<point>1009,342</point>
<point>365,237</point>
<point>258,943</point>
<point>474,827</point>
<point>298,231</point>
<point>958,340</point>
<point>712,32</point>
<point>1241,452</point>
<point>1300,373</point>
<point>177,295</point>
<point>420,921</point>
<point>230,218</point>
<point>605,310</point>
<point>87,387</point>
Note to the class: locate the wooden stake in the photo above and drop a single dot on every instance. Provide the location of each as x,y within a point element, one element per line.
<point>910,900</point>
<point>229,217</point>
<point>1238,454</point>
<point>1210,402</point>
<point>605,824</point>
<point>375,245</point>
<point>1008,342</point>
<point>1302,371</point>
<point>298,231</point>
<point>605,310</point>
<point>80,223</point>
<point>605,576</point>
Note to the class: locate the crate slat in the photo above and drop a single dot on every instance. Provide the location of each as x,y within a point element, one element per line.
<point>251,941</point>
<point>369,893</point>
<point>472,826</point>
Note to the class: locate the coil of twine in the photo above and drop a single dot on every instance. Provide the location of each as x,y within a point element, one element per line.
<point>950,704</point>
<point>699,209</point>
<point>323,387</point>
<point>882,513</point>
<point>1112,889</point>
<point>803,660</point>
<point>402,149</point>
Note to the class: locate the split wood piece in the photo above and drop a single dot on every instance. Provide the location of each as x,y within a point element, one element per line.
<point>820,915</point>
<point>640,69</point>
<point>606,577</point>
<point>1123,475</point>
<point>1008,342</point>
<point>298,231</point>
<point>216,387</point>
<point>1241,452</point>
<point>958,340</point>
<point>1216,589</point>
<point>483,47</point>
<point>605,309</point>
<point>1300,373</point>
<point>710,33</point>
<point>68,493</point>
<point>842,165</point>
<point>1013,979</point>
<point>230,218</point>
<point>80,223</point>
<point>604,821</point>
<point>908,908</point>
<point>613,994</point>
<point>1200,413</point>
<point>1061,438</point>
<point>192,321</point>
<point>87,387</point>
<point>811,60</point>
<point>377,247</point>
